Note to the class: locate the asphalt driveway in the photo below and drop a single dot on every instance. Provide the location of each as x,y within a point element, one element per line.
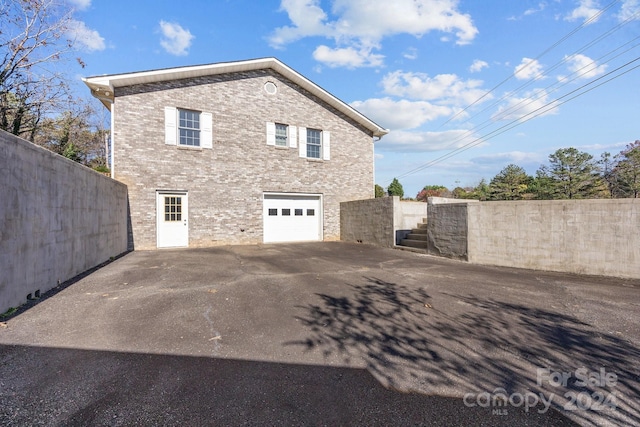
<point>323,334</point>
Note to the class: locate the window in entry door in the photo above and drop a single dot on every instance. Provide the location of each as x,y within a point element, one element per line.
<point>173,208</point>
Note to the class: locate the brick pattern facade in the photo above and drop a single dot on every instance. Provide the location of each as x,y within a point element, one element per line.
<point>225,184</point>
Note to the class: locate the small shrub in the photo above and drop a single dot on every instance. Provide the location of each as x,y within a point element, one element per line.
<point>102,169</point>
<point>9,312</point>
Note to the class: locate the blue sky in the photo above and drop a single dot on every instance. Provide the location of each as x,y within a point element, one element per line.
<point>440,74</point>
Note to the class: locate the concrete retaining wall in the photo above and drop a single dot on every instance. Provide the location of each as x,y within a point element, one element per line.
<point>368,221</point>
<point>383,221</point>
<point>447,227</point>
<point>598,237</point>
<point>57,220</point>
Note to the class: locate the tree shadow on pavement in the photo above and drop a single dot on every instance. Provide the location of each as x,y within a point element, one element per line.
<point>463,344</point>
<point>73,387</point>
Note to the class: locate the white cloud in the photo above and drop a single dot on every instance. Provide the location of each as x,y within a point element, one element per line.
<point>602,147</point>
<point>585,11</point>
<point>80,4</point>
<point>363,23</point>
<point>446,88</point>
<point>348,57</point>
<point>528,69</point>
<point>584,66</point>
<point>534,10</point>
<point>401,114</point>
<point>411,53</point>
<point>176,40</point>
<point>534,104</point>
<point>478,65</point>
<point>531,11</point>
<point>84,37</point>
<point>403,141</point>
<point>519,158</point>
<point>630,9</point>
<point>308,20</point>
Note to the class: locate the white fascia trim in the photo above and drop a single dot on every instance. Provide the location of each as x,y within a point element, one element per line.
<point>102,87</point>
<point>269,193</point>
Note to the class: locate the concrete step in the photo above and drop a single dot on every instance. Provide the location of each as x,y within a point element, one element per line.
<point>409,249</point>
<point>417,236</point>
<point>422,244</point>
<point>418,231</point>
<point>422,225</point>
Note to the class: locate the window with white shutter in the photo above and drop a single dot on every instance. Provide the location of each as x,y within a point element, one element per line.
<point>302,141</point>
<point>188,128</point>
<point>170,132</point>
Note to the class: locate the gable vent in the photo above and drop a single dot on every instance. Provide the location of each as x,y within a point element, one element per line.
<point>270,88</point>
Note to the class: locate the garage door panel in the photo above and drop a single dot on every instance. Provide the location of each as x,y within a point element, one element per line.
<point>289,218</point>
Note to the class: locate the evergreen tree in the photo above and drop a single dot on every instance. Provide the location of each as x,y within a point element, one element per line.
<point>481,191</point>
<point>511,183</point>
<point>572,174</point>
<point>378,190</point>
<point>395,188</point>
<point>627,171</point>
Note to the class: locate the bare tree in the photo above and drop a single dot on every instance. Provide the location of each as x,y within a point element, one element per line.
<point>77,133</point>
<point>32,44</point>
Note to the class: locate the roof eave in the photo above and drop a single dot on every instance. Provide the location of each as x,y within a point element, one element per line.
<point>102,87</point>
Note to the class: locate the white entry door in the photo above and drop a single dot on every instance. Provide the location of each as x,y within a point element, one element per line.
<point>292,218</point>
<point>172,220</point>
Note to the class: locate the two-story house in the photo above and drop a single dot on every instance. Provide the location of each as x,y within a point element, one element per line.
<point>236,152</point>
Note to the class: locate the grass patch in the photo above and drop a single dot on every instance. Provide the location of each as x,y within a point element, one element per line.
<point>8,313</point>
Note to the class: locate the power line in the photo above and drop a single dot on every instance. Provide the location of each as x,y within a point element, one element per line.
<point>561,62</point>
<point>531,100</point>
<point>536,78</point>
<point>536,113</point>
<point>550,48</point>
<point>514,108</point>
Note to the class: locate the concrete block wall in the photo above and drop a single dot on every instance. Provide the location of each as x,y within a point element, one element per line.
<point>598,237</point>
<point>382,221</point>
<point>369,221</point>
<point>57,220</point>
<point>447,227</point>
<point>226,183</point>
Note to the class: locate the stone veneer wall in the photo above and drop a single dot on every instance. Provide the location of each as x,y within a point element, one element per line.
<point>57,220</point>
<point>225,184</point>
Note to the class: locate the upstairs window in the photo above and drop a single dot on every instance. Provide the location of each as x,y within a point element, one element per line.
<point>314,143</point>
<point>281,135</point>
<point>189,128</point>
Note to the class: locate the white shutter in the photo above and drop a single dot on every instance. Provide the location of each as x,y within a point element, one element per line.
<point>326,145</point>
<point>170,128</point>
<point>293,136</point>
<point>271,133</point>
<point>303,141</point>
<point>206,130</point>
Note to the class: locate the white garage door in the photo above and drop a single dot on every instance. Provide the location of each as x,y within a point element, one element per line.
<point>292,218</point>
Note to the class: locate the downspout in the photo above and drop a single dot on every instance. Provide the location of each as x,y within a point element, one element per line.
<point>111,134</point>
<point>373,185</point>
